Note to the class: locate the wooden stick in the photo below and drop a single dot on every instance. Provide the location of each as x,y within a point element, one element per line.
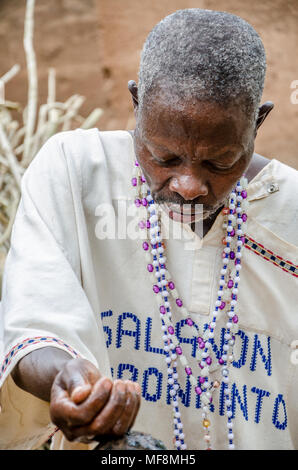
<point>32,78</point>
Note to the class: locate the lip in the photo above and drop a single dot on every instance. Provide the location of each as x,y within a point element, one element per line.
<point>181,216</point>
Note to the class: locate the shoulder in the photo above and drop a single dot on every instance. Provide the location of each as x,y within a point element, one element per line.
<point>274,200</point>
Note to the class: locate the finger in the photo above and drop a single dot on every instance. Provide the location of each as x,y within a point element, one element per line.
<point>80,393</point>
<point>106,419</point>
<point>126,420</point>
<point>68,414</point>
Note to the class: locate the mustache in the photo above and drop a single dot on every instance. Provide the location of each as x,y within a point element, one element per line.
<point>207,209</point>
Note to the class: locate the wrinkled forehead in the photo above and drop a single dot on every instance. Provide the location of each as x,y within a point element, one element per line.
<point>167,117</point>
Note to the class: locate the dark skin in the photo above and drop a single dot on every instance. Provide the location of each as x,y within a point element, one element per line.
<point>182,152</point>
<point>194,152</point>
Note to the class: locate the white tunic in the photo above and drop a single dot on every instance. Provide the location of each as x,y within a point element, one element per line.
<point>68,283</point>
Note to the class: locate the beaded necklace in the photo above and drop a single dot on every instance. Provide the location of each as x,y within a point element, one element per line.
<point>167,294</point>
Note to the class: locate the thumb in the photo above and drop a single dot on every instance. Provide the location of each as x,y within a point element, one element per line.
<point>80,393</point>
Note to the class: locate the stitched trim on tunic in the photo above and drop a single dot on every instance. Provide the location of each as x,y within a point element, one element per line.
<point>268,255</point>
<point>28,341</point>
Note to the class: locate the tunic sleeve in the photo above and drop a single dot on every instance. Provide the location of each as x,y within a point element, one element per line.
<point>43,299</point>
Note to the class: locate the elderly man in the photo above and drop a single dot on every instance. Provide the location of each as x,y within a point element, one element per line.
<point>189,337</point>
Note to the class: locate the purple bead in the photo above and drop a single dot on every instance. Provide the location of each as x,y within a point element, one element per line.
<point>202,345</point>
<point>230,283</point>
<point>232,255</point>
<point>134,181</point>
<point>244,217</point>
<point>150,268</point>
<point>221,361</point>
<point>178,350</point>
<point>235,319</point>
<point>188,370</point>
<point>138,202</point>
<point>136,163</point>
<point>148,225</point>
<point>210,399</point>
<point>179,302</point>
<point>142,224</point>
<point>234,211</point>
<point>199,339</point>
<point>171,285</point>
<point>232,233</point>
<point>237,261</point>
<point>198,390</point>
<point>189,321</point>
<point>208,361</point>
<point>201,380</point>
<point>244,194</point>
<point>162,309</point>
<point>143,179</point>
<point>243,239</point>
<point>222,305</point>
<point>171,330</point>
<point>156,289</point>
<point>145,246</point>
<point>144,202</point>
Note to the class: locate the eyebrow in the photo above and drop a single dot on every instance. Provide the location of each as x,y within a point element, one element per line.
<point>224,155</point>
<point>170,153</point>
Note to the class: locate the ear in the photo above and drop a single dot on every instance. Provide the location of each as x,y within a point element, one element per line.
<point>132,86</point>
<point>264,110</point>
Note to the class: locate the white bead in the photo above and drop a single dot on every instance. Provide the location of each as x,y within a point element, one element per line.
<point>231,436</point>
<point>160,249</point>
<point>239,198</point>
<point>183,446</point>
<point>224,357</point>
<point>225,347</point>
<point>205,372</point>
<point>229,414</point>
<point>232,206</point>
<point>168,360</point>
<point>223,271</point>
<point>181,435</point>
<point>154,251</point>
<point>153,219</point>
<point>162,260</point>
<point>229,239</point>
<point>173,393</point>
<point>205,400</point>
<point>231,446</point>
<point>229,425</point>
<point>210,335</point>
<point>228,402</point>
<point>239,232</point>
<point>217,303</point>
<point>193,380</point>
<point>173,357</point>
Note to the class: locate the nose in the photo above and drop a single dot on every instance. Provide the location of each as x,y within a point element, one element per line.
<point>189,187</point>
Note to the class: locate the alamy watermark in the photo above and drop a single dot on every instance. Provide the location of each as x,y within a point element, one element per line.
<point>123,220</point>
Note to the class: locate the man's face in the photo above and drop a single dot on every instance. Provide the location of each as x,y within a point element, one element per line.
<point>192,154</point>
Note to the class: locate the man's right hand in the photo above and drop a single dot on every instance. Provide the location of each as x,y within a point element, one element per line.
<point>86,405</point>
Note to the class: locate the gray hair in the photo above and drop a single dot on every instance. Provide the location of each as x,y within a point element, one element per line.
<point>206,55</point>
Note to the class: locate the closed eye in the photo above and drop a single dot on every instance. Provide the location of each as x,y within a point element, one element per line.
<point>170,162</point>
